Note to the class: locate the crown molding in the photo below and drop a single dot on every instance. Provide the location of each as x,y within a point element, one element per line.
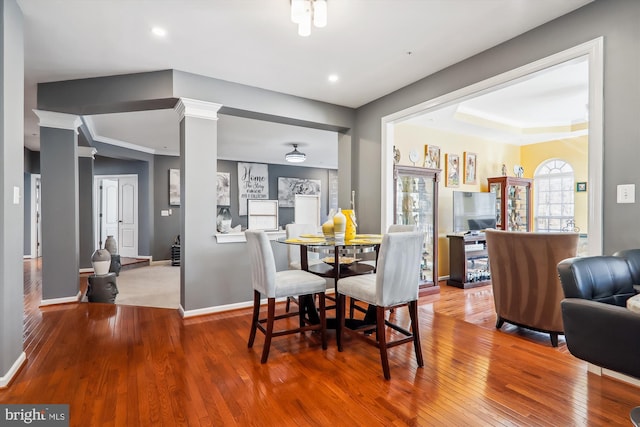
<point>87,152</point>
<point>196,108</point>
<point>52,119</point>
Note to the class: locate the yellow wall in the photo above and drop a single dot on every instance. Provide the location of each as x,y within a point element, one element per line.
<point>491,155</point>
<point>573,151</point>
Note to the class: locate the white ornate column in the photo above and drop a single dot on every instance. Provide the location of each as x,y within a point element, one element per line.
<point>198,176</point>
<point>59,201</point>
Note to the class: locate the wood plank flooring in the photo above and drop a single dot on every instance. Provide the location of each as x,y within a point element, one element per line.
<point>137,366</point>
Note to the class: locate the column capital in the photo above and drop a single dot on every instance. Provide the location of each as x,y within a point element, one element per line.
<point>52,119</point>
<point>196,108</point>
<point>87,152</point>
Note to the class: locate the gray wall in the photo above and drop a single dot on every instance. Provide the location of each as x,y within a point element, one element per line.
<point>166,227</point>
<point>617,21</point>
<point>85,209</point>
<point>11,175</point>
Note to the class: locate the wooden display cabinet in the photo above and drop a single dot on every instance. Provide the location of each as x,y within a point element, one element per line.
<point>416,203</point>
<point>513,202</point>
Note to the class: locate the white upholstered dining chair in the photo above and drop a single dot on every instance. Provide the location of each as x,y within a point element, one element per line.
<point>393,228</point>
<point>293,251</point>
<point>272,284</point>
<point>394,284</point>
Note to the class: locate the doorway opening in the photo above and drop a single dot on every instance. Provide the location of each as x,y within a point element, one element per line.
<point>593,52</point>
<point>116,212</point>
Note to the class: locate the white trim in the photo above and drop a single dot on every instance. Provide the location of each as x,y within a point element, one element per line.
<point>240,237</point>
<point>13,370</point>
<point>86,270</point>
<point>211,310</point>
<point>87,152</point>
<point>604,372</point>
<point>196,108</point>
<point>594,51</point>
<point>222,308</point>
<point>63,300</point>
<point>123,144</point>
<point>51,119</point>
<point>33,244</point>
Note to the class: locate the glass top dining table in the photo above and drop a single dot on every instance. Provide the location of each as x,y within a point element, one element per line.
<point>334,267</point>
<point>346,263</point>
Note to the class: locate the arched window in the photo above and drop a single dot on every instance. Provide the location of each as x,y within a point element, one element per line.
<point>554,206</point>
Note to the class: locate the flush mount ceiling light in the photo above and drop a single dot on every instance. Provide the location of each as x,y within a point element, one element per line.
<point>303,12</point>
<point>295,156</point>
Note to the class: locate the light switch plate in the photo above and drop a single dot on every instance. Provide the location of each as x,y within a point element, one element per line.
<point>626,193</point>
<point>164,212</point>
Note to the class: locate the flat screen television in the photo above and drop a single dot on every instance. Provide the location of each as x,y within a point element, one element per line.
<point>473,211</point>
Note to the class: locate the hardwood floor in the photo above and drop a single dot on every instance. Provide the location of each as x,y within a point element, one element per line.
<point>137,366</point>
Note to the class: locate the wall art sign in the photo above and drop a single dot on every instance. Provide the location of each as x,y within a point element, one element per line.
<point>253,183</point>
<point>289,187</point>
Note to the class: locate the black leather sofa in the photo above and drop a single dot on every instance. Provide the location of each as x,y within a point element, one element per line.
<point>597,325</point>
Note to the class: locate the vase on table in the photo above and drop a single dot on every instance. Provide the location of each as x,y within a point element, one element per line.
<point>223,220</point>
<point>350,228</point>
<point>101,261</point>
<point>339,225</point>
<point>111,245</point>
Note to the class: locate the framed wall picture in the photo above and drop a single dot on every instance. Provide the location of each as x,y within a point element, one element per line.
<point>224,189</point>
<point>470,168</point>
<point>452,170</point>
<point>432,156</point>
<point>174,187</point>
<point>289,187</point>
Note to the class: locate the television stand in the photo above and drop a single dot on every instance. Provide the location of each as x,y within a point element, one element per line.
<point>468,260</point>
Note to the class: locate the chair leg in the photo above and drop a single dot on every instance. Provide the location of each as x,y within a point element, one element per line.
<point>286,307</point>
<point>554,339</point>
<point>322,302</point>
<point>271,313</point>
<point>340,314</point>
<point>255,317</point>
<point>413,313</point>
<point>382,342</point>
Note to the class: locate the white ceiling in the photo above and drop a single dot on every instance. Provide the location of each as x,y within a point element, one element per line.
<point>374,46</point>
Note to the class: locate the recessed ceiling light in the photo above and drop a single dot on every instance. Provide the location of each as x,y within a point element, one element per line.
<point>333,78</point>
<point>159,31</point>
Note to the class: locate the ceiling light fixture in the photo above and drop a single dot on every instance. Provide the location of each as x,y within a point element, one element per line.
<point>295,156</point>
<point>159,31</point>
<point>303,12</point>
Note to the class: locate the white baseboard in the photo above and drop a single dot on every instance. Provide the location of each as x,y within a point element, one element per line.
<point>86,270</point>
<point>63,300</point>
<point>595,369</point>
<point>6,379</point>
<point>161,262</point>
<point>221,308</point>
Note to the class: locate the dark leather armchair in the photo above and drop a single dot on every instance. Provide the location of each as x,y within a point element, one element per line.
<point>598,327</point>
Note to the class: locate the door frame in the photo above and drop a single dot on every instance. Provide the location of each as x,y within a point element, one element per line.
<point>593,50</point>
<point>96,205</point>
<point>34,222</point>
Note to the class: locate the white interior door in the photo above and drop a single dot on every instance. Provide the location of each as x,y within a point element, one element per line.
<point>117,212</point>
<point>128,216</point>
<point>109,213</point>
